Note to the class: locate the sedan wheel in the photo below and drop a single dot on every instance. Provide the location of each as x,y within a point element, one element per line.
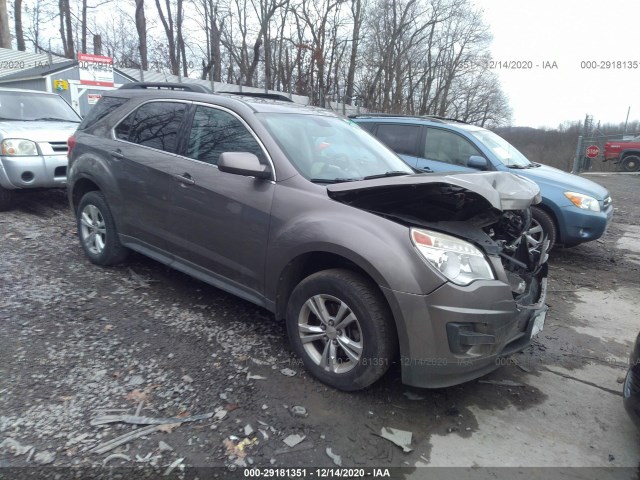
<point>339,323</point>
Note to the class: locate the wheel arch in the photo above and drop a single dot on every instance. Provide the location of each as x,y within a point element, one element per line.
<point>551,212</point>
<point>308,263</point>
<point>81,187</point>
<point>625,153</point>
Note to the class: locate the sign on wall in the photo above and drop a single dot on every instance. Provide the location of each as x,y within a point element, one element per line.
<point>92,98</point>
<point>95,70</point>
<point>60,85</point>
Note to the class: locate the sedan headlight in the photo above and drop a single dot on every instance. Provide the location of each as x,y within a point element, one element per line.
<point>459,261</point>
<point>582,201</point>
<point>19,147</point>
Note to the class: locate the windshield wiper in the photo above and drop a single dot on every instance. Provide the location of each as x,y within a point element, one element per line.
<point>332,180</point>
<point>55,119</point>
<point>519,167</point>
<point>393,173</point>
<point>11,119</point>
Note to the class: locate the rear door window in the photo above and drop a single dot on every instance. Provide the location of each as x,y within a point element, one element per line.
<point>448,147</point>
<point>402,139</point>
<point>154,125</point>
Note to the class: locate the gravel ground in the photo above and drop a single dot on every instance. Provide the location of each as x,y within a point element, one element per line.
<point>78,342</point>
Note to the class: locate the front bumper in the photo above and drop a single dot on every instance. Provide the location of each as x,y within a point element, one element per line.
<point>457,334</point>
<point>582,225</point>
<point>631,389</point>
<point>33,172</point>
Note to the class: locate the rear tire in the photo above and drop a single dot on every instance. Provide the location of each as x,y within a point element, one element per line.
<point>6,199</point>
<point>630,163</point>
<point>97,231</point>
<point>542,225</point>
<point>341,327</point>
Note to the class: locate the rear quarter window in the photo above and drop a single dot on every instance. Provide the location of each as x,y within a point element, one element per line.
<point>154,124</point>
<point>104,107</point>
<point>402,139</point>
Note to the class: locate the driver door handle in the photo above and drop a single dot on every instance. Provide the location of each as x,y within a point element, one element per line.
<point>185,179</point>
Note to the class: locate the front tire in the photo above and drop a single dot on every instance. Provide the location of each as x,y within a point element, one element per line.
<point>542,225</point>
<point>97,231</point>
<point>339,324</point>
<point>6,199</point>
<point>630,163</point>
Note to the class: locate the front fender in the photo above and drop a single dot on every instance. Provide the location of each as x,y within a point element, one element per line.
<point>382,248</point>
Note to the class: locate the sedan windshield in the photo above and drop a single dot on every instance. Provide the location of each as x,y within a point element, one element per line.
<point>26,106</point>
<point>506,153</point>
<point>329,149</point>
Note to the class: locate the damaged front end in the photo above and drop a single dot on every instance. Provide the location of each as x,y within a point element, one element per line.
<point>491,210</point>
<point>472,229</point>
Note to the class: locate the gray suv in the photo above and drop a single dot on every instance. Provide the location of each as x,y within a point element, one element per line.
<point>368,262</point>
<point>34,128</point>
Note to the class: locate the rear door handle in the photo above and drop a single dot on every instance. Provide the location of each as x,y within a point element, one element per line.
<point>117,154</point>
<point>185,178</point>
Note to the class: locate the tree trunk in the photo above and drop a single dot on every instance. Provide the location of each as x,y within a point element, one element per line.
<point>5,35</point>
<point>71,53</point>
<point>63,36</point>
<point>83,40</point>
<point>356,9</point>
<point>18,21</point>
<point>141,27</point>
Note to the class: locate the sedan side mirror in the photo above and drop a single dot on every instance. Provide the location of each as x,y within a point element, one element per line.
<point>478,162</point>
<point>243,163</point>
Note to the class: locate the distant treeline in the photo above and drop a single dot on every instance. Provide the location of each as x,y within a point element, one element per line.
<point>557,147</point>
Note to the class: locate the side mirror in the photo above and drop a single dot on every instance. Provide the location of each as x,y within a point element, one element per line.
<point>478,162</point>
<point>243,163</point>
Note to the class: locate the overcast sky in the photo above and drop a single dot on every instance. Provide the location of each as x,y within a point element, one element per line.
<point>567,32</point>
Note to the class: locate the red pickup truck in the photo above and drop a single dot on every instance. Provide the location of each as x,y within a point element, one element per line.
<point>624,152</point>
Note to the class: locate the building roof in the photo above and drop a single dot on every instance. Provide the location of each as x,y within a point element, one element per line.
<point>38,71</point>
<point>14,61</point>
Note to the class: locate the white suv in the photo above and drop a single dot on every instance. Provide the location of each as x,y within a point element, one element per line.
<point>34,128</point>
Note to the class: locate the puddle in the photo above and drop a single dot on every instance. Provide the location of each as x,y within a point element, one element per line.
<point>608,315</point>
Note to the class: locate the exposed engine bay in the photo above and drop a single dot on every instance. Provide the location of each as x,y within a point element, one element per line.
<point>458,210</point>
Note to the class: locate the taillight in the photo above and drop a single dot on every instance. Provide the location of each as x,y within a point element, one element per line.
<point>71,142</point>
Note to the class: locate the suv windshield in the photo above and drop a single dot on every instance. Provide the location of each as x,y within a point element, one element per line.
<point>330,149</point>
<point>27,106</point>
<point>506,153</point>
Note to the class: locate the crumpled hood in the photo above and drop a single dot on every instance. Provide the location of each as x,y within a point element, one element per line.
<point>40,131</point>
<point>503,190</point>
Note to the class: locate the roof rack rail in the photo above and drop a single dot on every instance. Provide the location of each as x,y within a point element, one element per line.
<point>183,87</point>
<point>268,96</point>
<point>403,115</point>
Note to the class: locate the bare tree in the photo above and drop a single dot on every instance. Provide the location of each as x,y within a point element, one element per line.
<point>5,35</point>
<point>141,27</point>
<point>17,17</point>
<point>66,29</point>
<point>168,23</point>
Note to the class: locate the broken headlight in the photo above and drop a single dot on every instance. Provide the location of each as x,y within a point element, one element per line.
<point>459,261</point>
